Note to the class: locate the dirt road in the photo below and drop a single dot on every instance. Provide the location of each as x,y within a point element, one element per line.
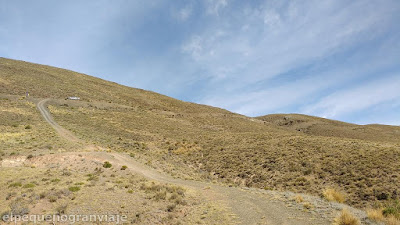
<point>250,206</point>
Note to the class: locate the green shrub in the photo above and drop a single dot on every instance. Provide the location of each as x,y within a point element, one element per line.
<point>124,167</point>
<point>28,127</point>
<point>74,188</point>
<point>392,209</point>
<point>30,185</point>
<point>16,184</point>
<point>107,164</point>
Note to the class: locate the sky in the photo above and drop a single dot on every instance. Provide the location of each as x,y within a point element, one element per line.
<point>336,59</point>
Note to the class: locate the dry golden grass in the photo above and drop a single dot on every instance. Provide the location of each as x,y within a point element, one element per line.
<point>389,215</point>
<point>375,214</point>
<point>333,195</point>
<point>298,198</point>
<point>346,218</point>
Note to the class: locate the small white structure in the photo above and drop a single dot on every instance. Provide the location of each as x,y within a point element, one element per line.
<point>73,98</point>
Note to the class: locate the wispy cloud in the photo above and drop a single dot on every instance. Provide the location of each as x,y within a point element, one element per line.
<point>214,6</point>
<point>184,13</point>
<point>251,57</point>
<point>360,97</point>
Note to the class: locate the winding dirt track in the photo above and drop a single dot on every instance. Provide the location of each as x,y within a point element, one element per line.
<point>251,206</point>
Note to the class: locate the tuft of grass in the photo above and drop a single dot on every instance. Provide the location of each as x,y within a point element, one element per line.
<point>28,127</point>
<point>346,218</point>
<point>107,164</point>
<point>124,167</point>
<point>333,195</point>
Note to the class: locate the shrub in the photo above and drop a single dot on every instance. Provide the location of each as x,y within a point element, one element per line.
<point>171,207</point>
<point>66,172</point>
<point>346,218</point>
<point>29,157</point>
<point>107,164</point>
<point>16,184</point>
<point>17,208</point>
<point>62,209</point>
<point>28,127</point>
<point>11,195</point>
<point>53,198</point>
<point>124,167</point>
<point>331,194</point>
<point>42,195</point>
<point>74,188</point>
<point>392,209</point>
<point>307,205</point>
<point>162,195</point>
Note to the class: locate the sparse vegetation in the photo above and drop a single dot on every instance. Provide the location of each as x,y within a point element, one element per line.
<point>280,152</point>
<point>346,218</point>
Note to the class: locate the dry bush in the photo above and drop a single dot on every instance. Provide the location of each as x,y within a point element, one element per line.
<point>332,195</point>
<point>308,205</point>
<point>375,214</point>
<point>298,198</point>
<point>391,220</point>
<point>346,218</point>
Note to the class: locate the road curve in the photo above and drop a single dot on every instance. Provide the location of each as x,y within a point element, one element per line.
<point>249,206</point>
<point>66,134</point>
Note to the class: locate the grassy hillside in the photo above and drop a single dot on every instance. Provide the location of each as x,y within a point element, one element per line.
<point>203,142</point>
<point>317,126</point>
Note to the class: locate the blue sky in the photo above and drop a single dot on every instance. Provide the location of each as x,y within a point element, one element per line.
<point>334,58</point>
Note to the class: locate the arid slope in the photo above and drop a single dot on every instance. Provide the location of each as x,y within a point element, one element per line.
<point>201,142</point>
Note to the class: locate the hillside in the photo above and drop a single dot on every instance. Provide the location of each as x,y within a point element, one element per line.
<point>206,143</point>
<point>317,126</point>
